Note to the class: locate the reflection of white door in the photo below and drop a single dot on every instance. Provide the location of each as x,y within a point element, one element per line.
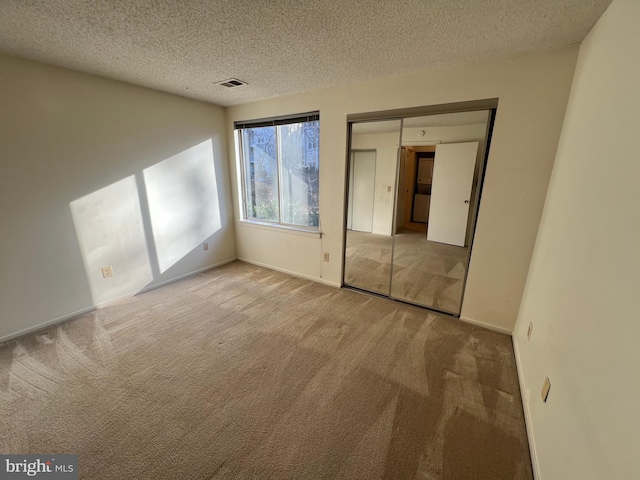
<point>451,192</point>
<point>362,190</point>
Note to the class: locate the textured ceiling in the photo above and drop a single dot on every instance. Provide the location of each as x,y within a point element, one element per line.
<point>281,46</point>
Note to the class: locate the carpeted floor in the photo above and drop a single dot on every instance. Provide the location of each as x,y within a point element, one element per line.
<point>368,261</point>
<point>428,273</point>
<point>247,373</point>
<point>424,273</point>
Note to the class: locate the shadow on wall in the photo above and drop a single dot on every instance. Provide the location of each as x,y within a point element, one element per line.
<point>144,224</point>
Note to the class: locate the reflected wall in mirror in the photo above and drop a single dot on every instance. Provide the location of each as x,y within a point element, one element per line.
<point>372,171</point>
<point>440,168</point>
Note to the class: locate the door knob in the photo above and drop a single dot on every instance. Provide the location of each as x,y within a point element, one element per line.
<point>466,201</point>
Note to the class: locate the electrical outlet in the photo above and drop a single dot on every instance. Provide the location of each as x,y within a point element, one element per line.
<point>545,389</point>
<point>205,246</point>
<point>107,271</point>
<point>530,331</point>
<point>388,188</point>
<point>325,256</point>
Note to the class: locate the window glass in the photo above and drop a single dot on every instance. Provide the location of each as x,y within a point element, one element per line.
<point>261,173</point>
<point>280,165</point>
<point>299,173</point>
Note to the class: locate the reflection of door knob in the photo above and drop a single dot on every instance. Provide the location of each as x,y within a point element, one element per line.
<point>466,201</point>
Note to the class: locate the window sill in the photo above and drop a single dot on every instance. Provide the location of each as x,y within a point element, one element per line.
<point>280,228</point>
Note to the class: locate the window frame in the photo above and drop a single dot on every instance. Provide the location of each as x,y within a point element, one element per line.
<point>239,127</point>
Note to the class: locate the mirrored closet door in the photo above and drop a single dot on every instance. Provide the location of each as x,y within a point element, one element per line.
<point>414,186</point>
<point>371,189</point>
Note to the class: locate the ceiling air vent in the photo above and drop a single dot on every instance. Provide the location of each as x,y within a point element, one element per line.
<point>232,82</point>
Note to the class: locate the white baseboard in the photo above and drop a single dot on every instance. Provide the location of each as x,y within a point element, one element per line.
<point>525,408</point>
<point>161,284</point>
<point>91,308</point>
<point>195,272</point>
<point>46,324</point>
<point>289,272</point>
<point>488,326</point>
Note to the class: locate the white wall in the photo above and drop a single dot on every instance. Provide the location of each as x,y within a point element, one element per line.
<point>582,290</point>
<point>95,172</point>
<point>532,91</point>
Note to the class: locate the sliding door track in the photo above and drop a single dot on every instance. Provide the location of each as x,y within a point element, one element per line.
<point>397,300</point>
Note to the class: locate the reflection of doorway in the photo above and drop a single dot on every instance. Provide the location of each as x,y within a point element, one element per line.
<point>414,189</point>
<point>362,190</point>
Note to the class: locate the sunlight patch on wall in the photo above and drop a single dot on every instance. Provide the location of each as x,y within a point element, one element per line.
<point>182,196</point>
<point>111,232</point>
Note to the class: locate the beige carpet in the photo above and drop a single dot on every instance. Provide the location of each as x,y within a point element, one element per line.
<point>428,273</point>
<point>424,273</point>
<point>246,373</point>
<point>368,261</point>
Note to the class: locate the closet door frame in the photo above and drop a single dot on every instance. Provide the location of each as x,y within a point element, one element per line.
<point>491,105</point>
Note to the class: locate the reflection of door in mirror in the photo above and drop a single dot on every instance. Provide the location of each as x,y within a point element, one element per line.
<point>362,190</point>
<point>372,172</point>
<point>451,192</point>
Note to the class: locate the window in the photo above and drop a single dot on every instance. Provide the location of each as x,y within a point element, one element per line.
<point>279,161</point>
